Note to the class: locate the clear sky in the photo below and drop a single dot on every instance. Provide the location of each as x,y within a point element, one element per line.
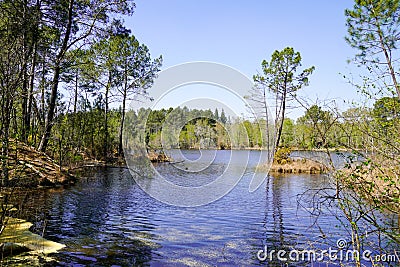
<point>243,33</point>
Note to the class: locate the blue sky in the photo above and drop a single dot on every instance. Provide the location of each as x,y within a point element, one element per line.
<point>243,33</point>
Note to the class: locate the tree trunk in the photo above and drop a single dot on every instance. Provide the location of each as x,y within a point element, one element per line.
<point>75,102</point>
<point>76,91</point>
<point>105,145</point>
<point>6,118</point>
<point>51,110</point>
<point>121,128</point>
<point>278,137</point>
<point>42,96</point>
<point>54,90</point>
<point>4,154</point>
<point>388,59</point>
<point>24,94</point>
<point>30,92</point>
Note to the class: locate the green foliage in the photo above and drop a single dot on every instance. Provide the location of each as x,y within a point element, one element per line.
<point>282,155</point>
<point>373,28</point>
<point>288,133</point>
<point>193,129</point>
<point>282,79</point>
<point>386,112</point>
<point>280,74</point>
<point>368,16</point>
<point>318,128</point>
<point>223,117</point>
<point>81,135</point>
<point>319,124</point>
<point>37,57</point>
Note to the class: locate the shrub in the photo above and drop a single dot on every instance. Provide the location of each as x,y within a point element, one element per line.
<point>282,155</point>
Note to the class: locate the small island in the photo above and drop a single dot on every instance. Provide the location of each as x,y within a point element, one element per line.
<point>284,163</point>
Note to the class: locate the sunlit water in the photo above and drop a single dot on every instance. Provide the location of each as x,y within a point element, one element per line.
<point>107,220</point>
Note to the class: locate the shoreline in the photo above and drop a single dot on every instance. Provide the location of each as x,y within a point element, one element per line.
<point>46,173</point>
<point>17,241</point>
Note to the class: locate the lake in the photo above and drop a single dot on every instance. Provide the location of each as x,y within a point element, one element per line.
<point>106,219</point>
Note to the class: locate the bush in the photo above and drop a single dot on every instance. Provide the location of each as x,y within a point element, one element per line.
<point>282,155</point>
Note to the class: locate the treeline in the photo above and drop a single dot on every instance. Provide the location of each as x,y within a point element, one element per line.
<point>351,129</point>
<point>62,62</point>
<point>318,128</point>
<point>193,129</point>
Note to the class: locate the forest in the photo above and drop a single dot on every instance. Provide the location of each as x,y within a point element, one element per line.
<point>316,129</point>
<point>62,64</point>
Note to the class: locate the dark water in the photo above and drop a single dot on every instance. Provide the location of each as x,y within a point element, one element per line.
<point>107,220</point>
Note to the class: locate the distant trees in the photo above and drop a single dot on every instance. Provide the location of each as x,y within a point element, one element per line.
<point>318,128</point>
<point>281,78</point>
<point>223,117</point>
<point>199,129</point>
<point>349,131</point>
<point>319,122</point>
<point>288,133</point>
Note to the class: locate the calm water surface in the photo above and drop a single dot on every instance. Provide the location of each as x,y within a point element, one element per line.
<point>107,220</point>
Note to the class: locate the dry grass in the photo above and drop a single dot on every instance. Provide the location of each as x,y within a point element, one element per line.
<point>376,181</point>
<point>29,167</point>
<point>297,166</point>
<point>158,157</point>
